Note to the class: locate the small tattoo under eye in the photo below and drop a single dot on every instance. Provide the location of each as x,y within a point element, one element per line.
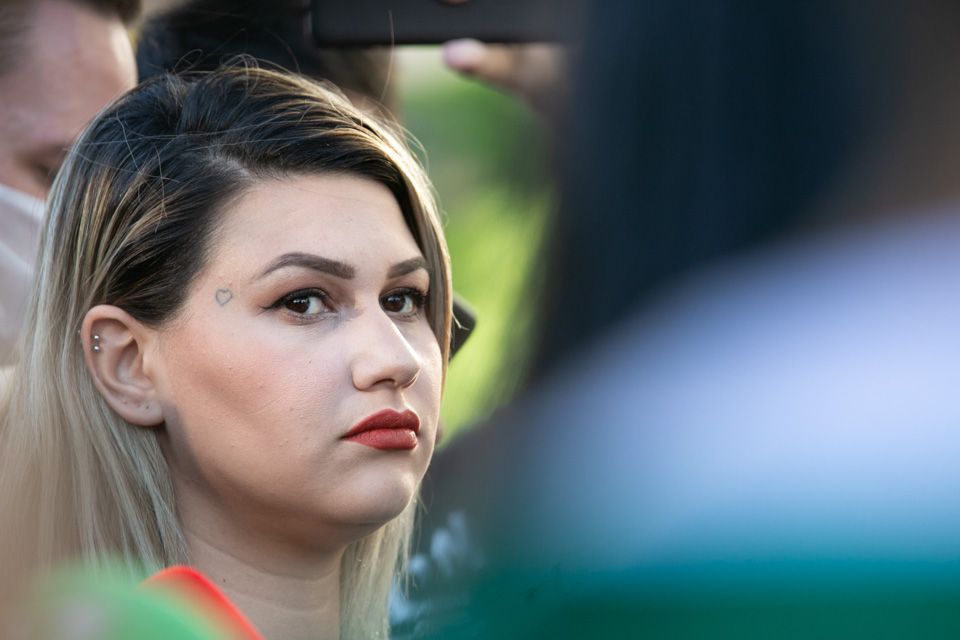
<point>224,296</point>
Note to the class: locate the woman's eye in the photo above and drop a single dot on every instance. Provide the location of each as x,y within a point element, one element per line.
<point>405,302</point>
<point>304,303</point>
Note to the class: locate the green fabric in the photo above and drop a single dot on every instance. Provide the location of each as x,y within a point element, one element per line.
<point>711,603</point>
<point>82,605</point>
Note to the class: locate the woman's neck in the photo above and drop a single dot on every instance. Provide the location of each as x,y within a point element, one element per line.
<point>285,600</point>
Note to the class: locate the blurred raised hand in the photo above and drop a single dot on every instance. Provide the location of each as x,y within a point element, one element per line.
<point>535,73</point>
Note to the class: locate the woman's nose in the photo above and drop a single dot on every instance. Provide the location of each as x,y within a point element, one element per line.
<point>383,355</point>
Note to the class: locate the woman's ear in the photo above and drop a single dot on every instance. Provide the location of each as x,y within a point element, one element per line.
<point>114,344</point>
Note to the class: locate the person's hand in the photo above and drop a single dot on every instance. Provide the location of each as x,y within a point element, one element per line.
<point>536,73</point>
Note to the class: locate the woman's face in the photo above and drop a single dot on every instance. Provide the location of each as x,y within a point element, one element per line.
<point>308,318</point>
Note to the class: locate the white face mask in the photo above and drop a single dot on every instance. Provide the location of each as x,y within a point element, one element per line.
<point>20,218</point>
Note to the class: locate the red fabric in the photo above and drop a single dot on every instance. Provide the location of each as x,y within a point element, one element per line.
<point>199,591</point>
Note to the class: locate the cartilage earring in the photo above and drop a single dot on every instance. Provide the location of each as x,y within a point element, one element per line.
<point>96,342</point>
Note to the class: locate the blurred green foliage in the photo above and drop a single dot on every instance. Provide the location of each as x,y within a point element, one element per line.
<point>487,156</point>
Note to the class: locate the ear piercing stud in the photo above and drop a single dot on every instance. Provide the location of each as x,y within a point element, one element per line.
<point>96,342</point>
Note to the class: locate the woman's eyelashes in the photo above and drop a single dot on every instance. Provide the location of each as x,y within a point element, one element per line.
<point>305,304</point>
<point>406,302</point>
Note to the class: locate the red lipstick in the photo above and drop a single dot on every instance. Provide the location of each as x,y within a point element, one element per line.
<point>386,430</point>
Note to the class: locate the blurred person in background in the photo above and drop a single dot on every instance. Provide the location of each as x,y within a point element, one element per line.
<point>63,61</point>
<point>741,417</point>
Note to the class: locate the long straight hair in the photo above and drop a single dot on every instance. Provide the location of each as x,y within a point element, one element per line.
<point>129,224</point>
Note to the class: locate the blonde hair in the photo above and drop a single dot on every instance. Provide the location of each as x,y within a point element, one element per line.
<point>129,224</point>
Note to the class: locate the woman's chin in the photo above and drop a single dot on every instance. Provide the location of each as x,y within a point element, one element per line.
<point>378,506</point>
<point>370,502</point>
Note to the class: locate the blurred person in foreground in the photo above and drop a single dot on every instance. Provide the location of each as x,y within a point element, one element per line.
<point>741,419</point>
<point>63,61</point>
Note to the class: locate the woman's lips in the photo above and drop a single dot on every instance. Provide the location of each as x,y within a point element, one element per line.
<point>386,430</point>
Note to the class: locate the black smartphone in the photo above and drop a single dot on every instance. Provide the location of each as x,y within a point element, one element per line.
<point>340,23</point>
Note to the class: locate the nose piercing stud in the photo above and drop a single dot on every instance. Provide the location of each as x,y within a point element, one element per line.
<point>96,342</point>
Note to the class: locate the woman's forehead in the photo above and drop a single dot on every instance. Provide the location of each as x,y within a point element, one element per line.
<point>349,219</point>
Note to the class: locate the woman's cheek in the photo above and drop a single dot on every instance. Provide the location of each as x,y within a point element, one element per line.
<point>431,376</point>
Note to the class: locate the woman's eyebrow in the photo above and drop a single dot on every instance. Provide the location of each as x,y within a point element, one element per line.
<point>310,261</point>
<point>407,266</point>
